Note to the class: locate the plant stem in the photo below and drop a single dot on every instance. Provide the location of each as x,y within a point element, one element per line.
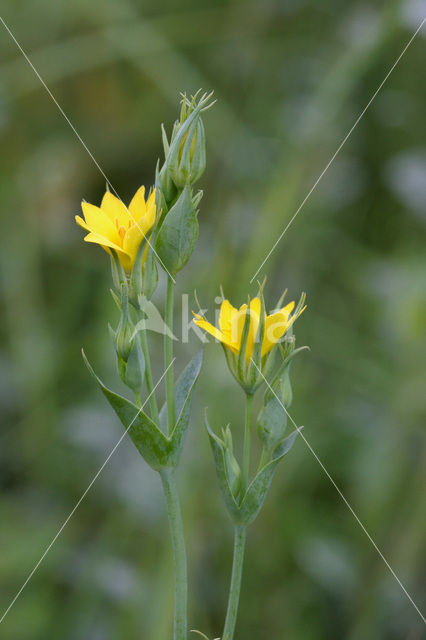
<point>247,438</point>
<point>138,399</point>
<point>148,377</point>
<point>179,553</point>
<point>168,355</point>
<point>264,458</point>
<point>234,592</point>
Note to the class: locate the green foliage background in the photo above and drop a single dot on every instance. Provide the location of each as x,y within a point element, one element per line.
<point>291,77</point>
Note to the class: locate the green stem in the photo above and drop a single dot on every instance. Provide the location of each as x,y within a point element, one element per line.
<point>247,438</point>
<point>138,399</point>
<point>168,355</point>
<point>148,377</point>
<point>234,592</point>
<point>179,553</point>
<point>264,458</point>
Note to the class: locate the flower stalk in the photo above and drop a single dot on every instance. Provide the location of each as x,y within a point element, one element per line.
<point>179,553</point>
<point>251,338</point>
<point>148,377</point>
<point>247,441</point>
<point>236,577</point>
<point>168,355</point>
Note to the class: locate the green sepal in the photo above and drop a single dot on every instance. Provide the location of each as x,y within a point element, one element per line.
<point>257,490</point>
<point>117,271</point>
<point>242,362</point>
<point>232,362</point>
<point>151,443</point>
<point>144,276</point>
<point>165,190</point>
<point>178,234</point>
<point>186,155</point>
<point>149,271</point>
<point>256,363</point>
<point>116,299</point>
<point>281,371</point>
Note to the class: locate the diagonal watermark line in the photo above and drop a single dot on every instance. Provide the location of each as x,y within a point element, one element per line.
<point>64,524</point>
<point>81,141</point>
<point>333,157</point>
<point>339,491</point>
<point>267,257</point>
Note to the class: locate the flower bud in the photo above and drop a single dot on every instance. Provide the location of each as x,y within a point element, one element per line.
<point>186,155</point>
<point>232,467</point>
<point>132,371</point>
<point>125,333</point>
<point>165,189</point>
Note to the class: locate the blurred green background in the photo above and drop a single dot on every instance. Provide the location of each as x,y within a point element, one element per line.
<point>290,77</point>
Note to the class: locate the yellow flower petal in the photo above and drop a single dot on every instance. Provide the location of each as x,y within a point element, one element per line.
<point>151,200</point>
<point>211,329</point>
<point>151,213</point>
<point>237,326</point>
<point>98,222</point>
<point>115,210</point>
<point>275,327</point>
<point>137,206</point>
<point>107,244</point>
<point>288,308</point>
<point>255,307</point>
<point>232,320</point>
<point>79,220</point>
<point>226,316</point>
<point>133,239</point>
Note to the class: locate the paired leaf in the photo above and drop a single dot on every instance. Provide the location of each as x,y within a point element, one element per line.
<point>272,422</point>
<point>178,234</point>
<point>257,490</point>
<point>183,387</point>
<point>218,448</point>
<point>244,511</point>
<point>156,448</point>
<point>151,443</point>
<point>183,399</point>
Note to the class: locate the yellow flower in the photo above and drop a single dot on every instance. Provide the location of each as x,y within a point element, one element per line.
<point>116,227</point>
<point>231,325</point>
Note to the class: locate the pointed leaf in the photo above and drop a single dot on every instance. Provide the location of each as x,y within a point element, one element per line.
<point>178,234</point>
<point>219,459</point>
<point>184,386</point>
<point>285,446</point>
<point>257,490</point>
<point>145,435</point>
<point>183,399</point>
<point>272,422</point>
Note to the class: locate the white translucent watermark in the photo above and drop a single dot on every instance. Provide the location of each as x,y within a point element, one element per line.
<point>276,326</point>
